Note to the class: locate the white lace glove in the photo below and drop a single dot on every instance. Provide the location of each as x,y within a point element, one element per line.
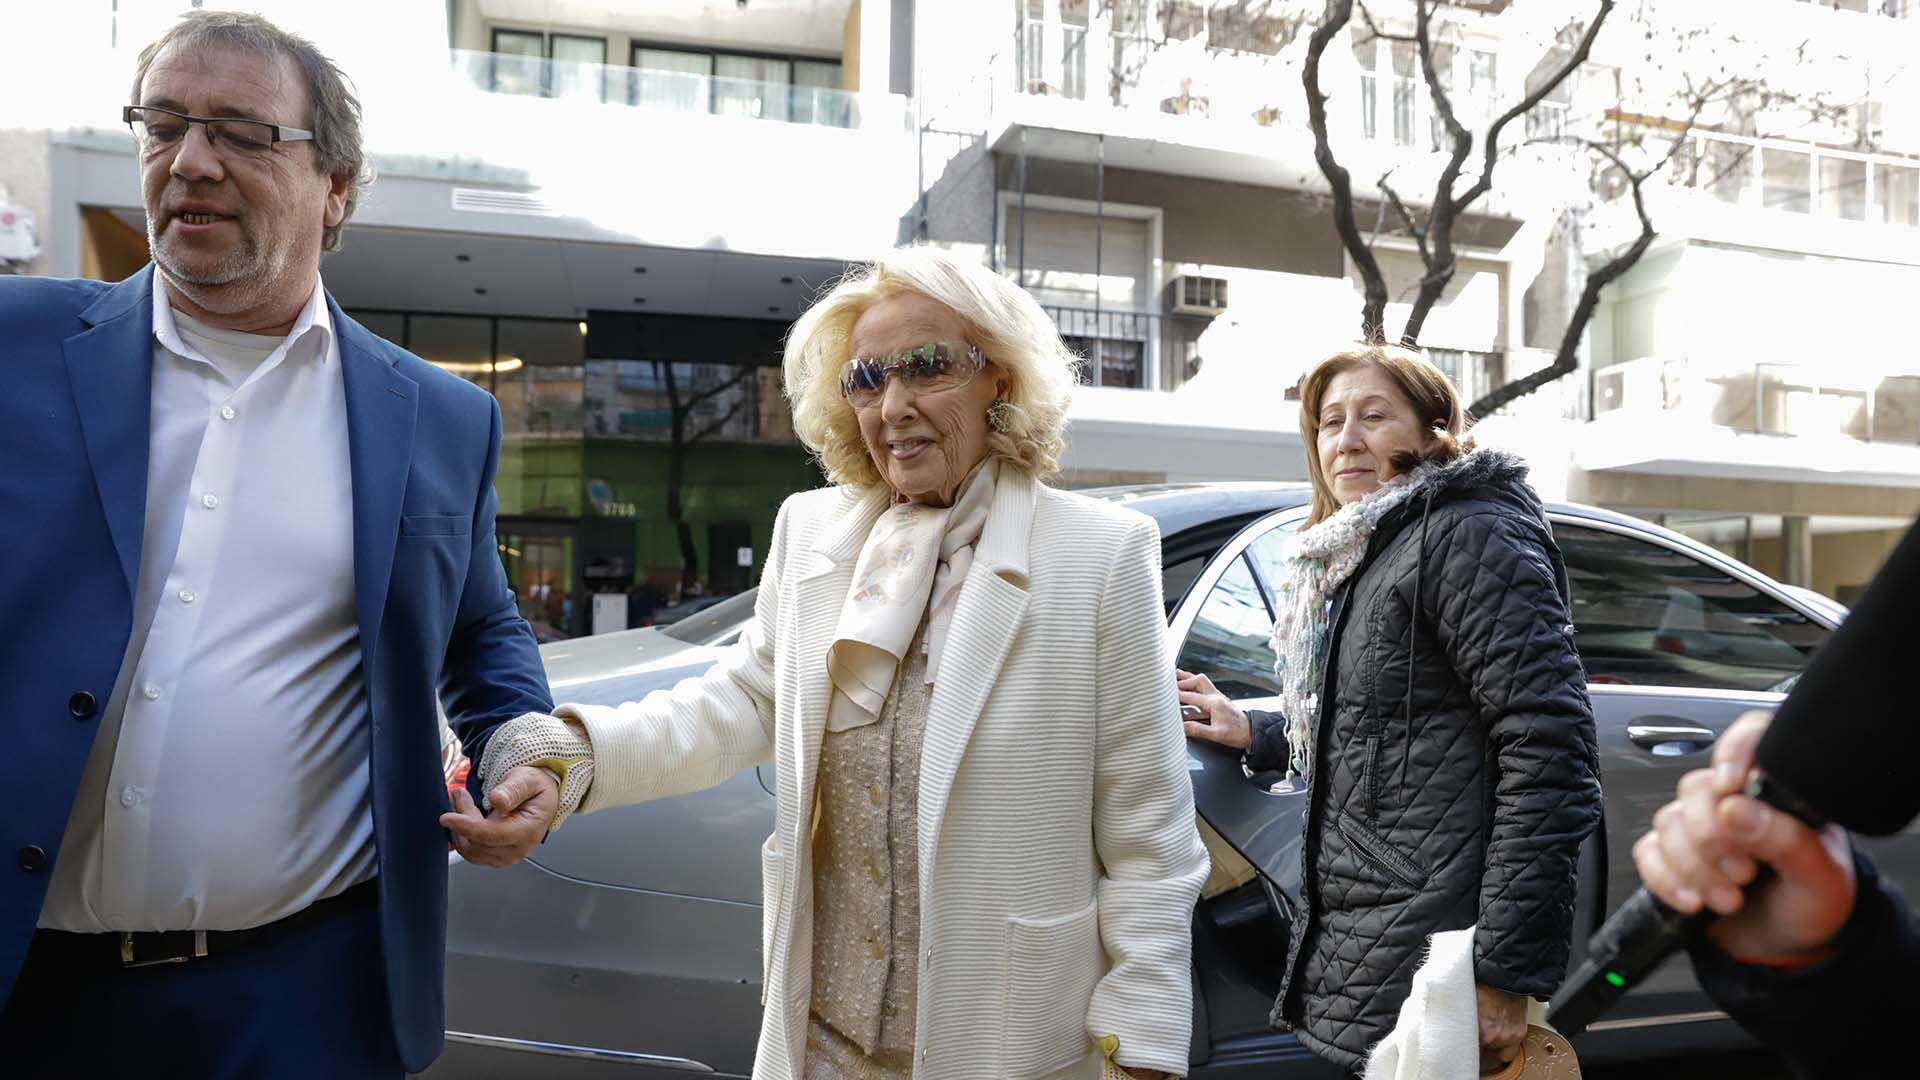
<point>545,742</point>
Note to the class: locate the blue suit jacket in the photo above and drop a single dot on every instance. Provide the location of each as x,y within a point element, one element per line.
<point>435,611</point>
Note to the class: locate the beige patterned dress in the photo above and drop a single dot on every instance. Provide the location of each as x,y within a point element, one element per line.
<point>866,875</point>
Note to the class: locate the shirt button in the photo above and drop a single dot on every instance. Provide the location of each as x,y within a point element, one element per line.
<point>32,858</point>
<point>209,501</point>
<point>150,692</point>
<point>873,794</point>
<point>129,795</point>
<point>226,412</point>
<point>874,871</point>
<point>186,596</point>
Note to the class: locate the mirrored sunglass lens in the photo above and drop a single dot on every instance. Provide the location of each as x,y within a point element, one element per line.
<point>864,379</point>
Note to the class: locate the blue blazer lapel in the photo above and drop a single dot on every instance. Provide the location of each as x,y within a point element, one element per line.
<point>110,368</point>
<point>382,406</point>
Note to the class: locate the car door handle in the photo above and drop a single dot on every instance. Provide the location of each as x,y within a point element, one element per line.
<point>1670,740</point>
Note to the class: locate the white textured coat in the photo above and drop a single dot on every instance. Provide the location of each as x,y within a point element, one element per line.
<point>1059,857</point>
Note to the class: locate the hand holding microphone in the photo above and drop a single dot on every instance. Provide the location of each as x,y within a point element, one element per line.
<point>1708,844</point>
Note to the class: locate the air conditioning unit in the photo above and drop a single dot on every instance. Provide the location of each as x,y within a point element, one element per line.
<point>1194,295</point>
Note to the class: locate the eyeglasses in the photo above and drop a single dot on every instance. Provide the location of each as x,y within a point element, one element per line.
<point>157,128</point>
<point>924,369</point>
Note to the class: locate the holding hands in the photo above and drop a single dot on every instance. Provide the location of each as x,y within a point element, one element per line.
<point>524,804</point>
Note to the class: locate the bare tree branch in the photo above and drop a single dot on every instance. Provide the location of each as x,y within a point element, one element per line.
<point>715,391</point>
<point>1399,208</point>
<point>1374,27</point>
<point>1439,263</point>
<point>1373,284</point>
<point>1567,358</point>
<point>717,424</point>
<point>1492,149</point>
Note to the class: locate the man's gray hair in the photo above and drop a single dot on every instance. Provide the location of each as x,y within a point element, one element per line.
<point>337,143</point>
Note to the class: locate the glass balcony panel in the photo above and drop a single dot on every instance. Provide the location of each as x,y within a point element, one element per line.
<point>1783,180</point>
<point>1843,188</point>
<point>1896,194</point>
<point>750,86</point>
<point>579,68</point>
<point>518,64</point>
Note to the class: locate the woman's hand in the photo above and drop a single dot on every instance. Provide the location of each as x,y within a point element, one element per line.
<point>1224,724</point>
<point>1503,1022</point>
<point>1706,844</point>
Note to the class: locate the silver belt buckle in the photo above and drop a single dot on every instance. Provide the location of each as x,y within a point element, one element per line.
<point>127,960</point>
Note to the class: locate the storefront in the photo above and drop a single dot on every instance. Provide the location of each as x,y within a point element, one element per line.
<point>644,457</point>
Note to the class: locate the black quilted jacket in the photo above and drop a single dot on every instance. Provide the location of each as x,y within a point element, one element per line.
<point>1458,798</point>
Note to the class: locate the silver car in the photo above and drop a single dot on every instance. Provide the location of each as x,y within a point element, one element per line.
<point>628,946</point>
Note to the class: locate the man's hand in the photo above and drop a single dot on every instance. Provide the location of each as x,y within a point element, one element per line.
<point>1707,843</point>
<point>1224,724</point>
<point>524,804</point>
<point>1503,1022</point>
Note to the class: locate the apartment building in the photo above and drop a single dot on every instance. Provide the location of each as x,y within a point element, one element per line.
<point>1146,168</point>
<point>609,212</point>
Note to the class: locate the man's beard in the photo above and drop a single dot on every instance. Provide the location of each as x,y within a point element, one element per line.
<point>246,266</point>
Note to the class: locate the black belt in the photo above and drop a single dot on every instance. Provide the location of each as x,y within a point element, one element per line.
<point>146,948</point>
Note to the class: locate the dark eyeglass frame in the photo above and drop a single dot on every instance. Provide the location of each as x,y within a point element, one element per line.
<point>959,354</point>
<point>214,127</point>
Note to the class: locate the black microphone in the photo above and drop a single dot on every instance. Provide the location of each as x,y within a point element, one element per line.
<point>1844,747</point>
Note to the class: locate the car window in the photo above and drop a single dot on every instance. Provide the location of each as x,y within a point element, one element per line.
<point>1269,552</point>
<point>1229,637</point>
<point>1177,577</point>
<point>1648,615</point>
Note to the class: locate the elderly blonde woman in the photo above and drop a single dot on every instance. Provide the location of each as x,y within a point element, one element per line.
<point>985,858</point>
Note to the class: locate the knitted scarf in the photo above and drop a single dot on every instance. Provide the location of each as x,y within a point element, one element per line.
<point>1317,561</point>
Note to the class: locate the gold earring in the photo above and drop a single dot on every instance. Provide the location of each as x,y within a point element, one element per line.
<point>1000,417</point>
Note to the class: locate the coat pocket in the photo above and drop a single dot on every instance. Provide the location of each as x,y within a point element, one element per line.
<point>1375,849</point>
<point>435,526</point>
<point>773,880</point>
<point>1052,966</point>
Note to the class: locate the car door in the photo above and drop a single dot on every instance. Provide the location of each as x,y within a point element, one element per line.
<point>1677,643</point>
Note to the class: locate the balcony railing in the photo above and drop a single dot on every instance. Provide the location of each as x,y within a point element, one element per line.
<point>1767,398</point>
<point>649,88</point>
<point>1144,350</point>
<point>1801,178</point>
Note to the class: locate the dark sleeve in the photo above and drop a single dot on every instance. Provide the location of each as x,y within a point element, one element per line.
<point>1501,618</point>
<point>492,671</point>
<point>1850,1015</point>
<point>1268,752</point>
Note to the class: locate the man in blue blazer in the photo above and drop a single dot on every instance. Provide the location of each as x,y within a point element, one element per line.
<point>250,545</point>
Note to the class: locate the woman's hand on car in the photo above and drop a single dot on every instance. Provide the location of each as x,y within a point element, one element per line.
<point>1219,721</point>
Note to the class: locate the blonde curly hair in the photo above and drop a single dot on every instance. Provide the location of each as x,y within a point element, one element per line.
<point>1001,320</point>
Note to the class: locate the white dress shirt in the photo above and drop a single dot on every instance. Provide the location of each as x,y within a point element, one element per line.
<point>229,783</point>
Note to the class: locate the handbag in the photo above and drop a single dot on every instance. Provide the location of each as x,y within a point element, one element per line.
<point>1544,1055</point>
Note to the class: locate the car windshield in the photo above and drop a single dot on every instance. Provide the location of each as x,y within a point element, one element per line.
<point>706,626</point>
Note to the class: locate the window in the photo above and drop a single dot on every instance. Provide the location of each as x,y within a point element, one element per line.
<point>1365,53</point>
<point>579,67</point>
<point>1228,641</point>
<point>750,86</point>
<point>1647,615</point>
<point>1406,81</point>
<point>1073,49</point>
<point>816,94</point>
<point>671,79</point>
<point>517,66</point>
<point>560,65</point>
<point>1443,73</point>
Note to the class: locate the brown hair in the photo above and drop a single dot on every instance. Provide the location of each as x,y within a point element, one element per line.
<point>337,146</point>
<point>1435,403</point>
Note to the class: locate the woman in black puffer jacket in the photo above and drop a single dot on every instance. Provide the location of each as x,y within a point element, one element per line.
<point>1434,702</point>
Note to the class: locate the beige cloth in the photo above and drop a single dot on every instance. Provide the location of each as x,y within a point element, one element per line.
<point>866,929</point>
<point>910,570</point>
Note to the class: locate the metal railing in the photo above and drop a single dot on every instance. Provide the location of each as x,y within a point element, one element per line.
<point>1145,350</point>
<point>1767,398</point>
<point>649,88</point>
